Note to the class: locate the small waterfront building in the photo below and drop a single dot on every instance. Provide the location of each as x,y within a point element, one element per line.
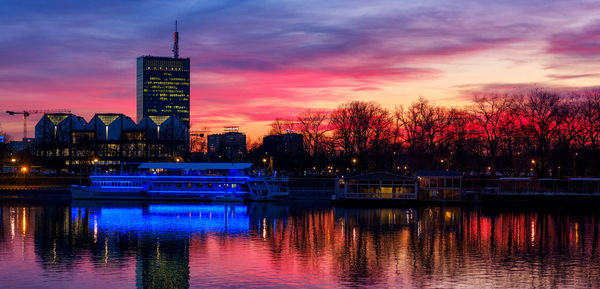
<point>439,185</point>
<point>377,186</point>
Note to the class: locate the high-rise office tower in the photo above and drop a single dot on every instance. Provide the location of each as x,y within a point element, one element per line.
<point>163,85</point>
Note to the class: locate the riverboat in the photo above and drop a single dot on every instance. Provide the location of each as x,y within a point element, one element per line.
<point>190,181</point>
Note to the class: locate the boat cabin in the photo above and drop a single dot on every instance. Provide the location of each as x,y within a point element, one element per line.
<point>197,169</point>
<point>204,180</point>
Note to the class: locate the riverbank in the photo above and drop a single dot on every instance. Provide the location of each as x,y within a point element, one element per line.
<point>306,189</point>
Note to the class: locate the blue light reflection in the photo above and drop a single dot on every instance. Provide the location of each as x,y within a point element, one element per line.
<point>169,218</point>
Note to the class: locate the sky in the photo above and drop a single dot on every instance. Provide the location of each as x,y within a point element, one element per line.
<point>254,61</point>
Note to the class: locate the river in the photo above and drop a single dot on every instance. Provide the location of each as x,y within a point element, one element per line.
<point>166,245</point>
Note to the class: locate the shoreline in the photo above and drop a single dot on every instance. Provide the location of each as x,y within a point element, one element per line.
<point>47,192</point>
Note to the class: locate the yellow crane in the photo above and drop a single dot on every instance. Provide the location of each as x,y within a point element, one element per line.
<point>26,114</point>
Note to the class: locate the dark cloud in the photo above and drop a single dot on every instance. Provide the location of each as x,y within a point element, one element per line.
<point>251,55</point>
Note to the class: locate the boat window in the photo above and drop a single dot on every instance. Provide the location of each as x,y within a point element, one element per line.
<point>200,185</point>
<point>189,185</point>
<point>210,185</point>
<point>178,185</point>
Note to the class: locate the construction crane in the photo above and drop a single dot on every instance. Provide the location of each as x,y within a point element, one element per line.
<point>27,113</point>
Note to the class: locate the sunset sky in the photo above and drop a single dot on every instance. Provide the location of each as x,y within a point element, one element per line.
<point>253,61</point>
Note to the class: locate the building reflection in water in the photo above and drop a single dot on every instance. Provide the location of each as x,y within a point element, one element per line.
<point>181,246</point>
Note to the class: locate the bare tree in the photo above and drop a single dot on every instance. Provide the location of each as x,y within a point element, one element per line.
<point>364,130</point>
<point>423,130</point>
<point>313,125</point>
<point>540,117</point>
<point>198,140</point>
<point>281,126</point>
<point>589,112</point>
<point>489,112</point>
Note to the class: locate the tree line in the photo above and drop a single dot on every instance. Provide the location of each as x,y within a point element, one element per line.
<point>534,132</point>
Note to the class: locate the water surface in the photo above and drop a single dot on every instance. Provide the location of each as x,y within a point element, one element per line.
<point>132,245</point>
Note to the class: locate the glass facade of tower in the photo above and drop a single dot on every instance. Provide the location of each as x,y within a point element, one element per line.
<point>163,87</point>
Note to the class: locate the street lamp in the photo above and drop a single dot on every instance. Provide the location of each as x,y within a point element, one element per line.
<point>575,164</point>
<point>13,160</point>
<point>95,161</point>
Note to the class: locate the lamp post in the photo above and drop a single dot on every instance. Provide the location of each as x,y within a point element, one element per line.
<point>354,161</point>
<point>95,161</point>
<point>443,161</point>
<point>575,164</point>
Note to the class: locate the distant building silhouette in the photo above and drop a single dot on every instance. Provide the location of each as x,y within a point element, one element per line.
<point>286,150</point>
<point>229,146</point>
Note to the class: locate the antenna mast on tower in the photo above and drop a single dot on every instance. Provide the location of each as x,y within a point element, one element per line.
<point>176,42</point>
